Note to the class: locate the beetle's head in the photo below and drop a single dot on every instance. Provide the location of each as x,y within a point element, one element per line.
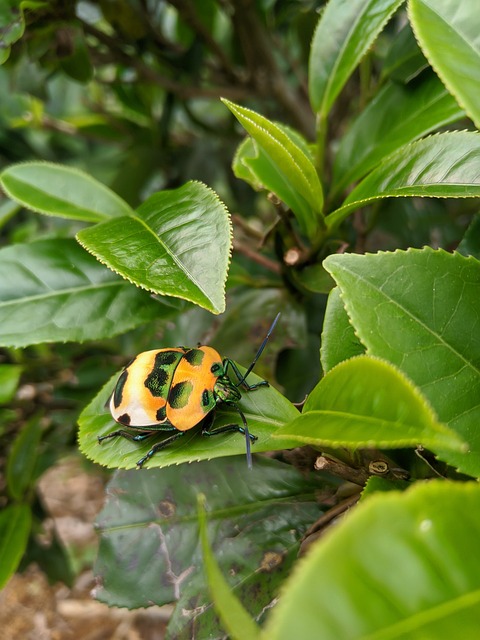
<point>226,391</point>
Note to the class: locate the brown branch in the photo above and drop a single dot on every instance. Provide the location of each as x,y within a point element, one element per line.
<point>256,257</point>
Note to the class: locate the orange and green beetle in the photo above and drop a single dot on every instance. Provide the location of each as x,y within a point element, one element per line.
<point>176,389</point>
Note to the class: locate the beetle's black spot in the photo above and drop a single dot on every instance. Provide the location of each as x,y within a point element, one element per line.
<point>179,394</point>
<point>159,378</point>
<point>161,413</point>
<point>216,368</point>
<point>156,381</point>
<point>118,391</point>
<point>206,397</point>
<point>194,357</point>
<point>124,419</point>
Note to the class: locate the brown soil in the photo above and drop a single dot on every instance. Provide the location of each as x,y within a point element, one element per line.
<point>31,609</point>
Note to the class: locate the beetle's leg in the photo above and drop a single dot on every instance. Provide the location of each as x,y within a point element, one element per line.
<point>249,437</point>
<point>136,437</point>
<point>157,447</point>
<point>240,378</point>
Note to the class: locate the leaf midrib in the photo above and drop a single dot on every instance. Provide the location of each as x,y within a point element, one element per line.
<point>60,292</point>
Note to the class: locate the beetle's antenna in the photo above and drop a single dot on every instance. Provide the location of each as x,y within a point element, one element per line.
<point>260,350</point>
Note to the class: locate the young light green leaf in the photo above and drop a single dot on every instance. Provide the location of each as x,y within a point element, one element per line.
<point>178,243</point>
<point>366,402</point>
<point>235,618</point>
<point>449,34</point>
<point>9,377</point>
<point>62,191</point>
<point>398,115</point>
<point>441,166</point>
<point>419,309</point>
<point>15,525</point>
<point>339,341</point>
<point>345,32</point>
<point>56,292</point>
<point>265,409</point>
<point>400,565</point>
<point>282,165</point>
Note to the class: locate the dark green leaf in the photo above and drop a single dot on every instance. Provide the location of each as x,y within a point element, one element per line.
<point>401,565</point>
<point>178,243</point>
<point>57,292</point>
<point>420,310</point>
<point>398,114</point>
<point>22,458</point>
<point>404,60</point>
<point>150,551</point>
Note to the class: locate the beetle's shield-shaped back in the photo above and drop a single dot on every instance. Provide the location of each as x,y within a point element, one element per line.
<point>191,395</point>
<point>140,395</point>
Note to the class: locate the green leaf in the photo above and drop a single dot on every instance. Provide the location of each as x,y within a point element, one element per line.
<point>470,244</point>
<point>400,565</point>
<point>22,457</point>
<point>404,60</point>
<point>420,309</point>
<point>57,292</point>
<point>235,618</point>
<point>449,35</point>
<point>178,243</point>
<point>281,164</point>
<point>441,166</point>
<point>345,32</point>
<point>15,524</point>
<point>150,551</point>
<point>12,26</point>
<point>265,410</point>
<point>366,402</point>
<point>9,378</point>
<point>339,341</point>
<point>397,115</point>
<point>61,191</point>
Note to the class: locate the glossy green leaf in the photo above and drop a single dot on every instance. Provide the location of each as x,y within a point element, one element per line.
<point>366,402</point>
<point>339,341</point>
<point>62,191</point>
<point>345,32</point>
<point>9,378</point>
<point>441,166</point>
<point>22,457</point>
<point>282,166</point>
<point>401,565</point>
<point>57,292</point>
<point>265,410</point>
<point>449,34</point>
<point>420,310</point>
<point>150,551</point>
<point>404,60</point>
<point>397,115</point>
<point>178,243</point>
<point>234,617</point>
<point>15,524</point>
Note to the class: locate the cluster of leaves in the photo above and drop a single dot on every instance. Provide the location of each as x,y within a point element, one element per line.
<point>398,400</point>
